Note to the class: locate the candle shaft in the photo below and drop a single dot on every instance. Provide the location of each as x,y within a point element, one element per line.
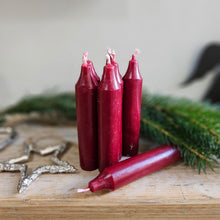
<point>109,118</point>
<point>131,108</point>
<point>120,81</point>
<point>87,127</point>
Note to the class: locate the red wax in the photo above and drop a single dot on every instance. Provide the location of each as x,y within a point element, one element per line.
<point>109,118</point>
<point>120,81</point>
<point>86,110</point>
<point>89,62</point>
<point>134,168</point>
<point>131,108</point>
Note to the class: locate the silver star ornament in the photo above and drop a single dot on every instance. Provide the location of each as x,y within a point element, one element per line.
<point>31,147</point>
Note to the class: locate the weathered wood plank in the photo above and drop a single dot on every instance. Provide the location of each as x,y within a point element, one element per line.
<point>175,192</point>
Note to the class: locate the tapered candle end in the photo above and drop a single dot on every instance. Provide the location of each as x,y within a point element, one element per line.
<point>137,51</point>
<point>83,190</point>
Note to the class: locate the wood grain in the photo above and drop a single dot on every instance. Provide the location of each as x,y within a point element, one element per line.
<point>177,192</point>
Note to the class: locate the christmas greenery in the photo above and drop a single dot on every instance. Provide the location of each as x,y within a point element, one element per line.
<point>192,126</point>
<point>59,108</point>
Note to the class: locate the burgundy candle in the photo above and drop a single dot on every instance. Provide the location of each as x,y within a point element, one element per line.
<point>86,110</point>
<point>134,168</point>
<point>119,79</point>
<point>109,117</point>
<point>131,108</point>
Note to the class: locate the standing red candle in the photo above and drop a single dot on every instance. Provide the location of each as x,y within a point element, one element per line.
<point>134,168</point>
<point>119,79</point>
<point>131,108</point>
<point>109,117</point>
<point>86,110</point>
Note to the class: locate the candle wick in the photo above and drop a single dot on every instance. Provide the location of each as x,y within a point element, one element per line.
<point>85,57</point>
<point>137,51</point>
<point>113,55</point>
<point>109,51</point>
<point>83,190</point>
<point>108,61</point>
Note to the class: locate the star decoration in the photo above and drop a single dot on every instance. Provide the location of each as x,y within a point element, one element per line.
<point>30,147</point>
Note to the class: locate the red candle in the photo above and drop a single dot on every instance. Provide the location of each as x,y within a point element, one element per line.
<point>119,79</point>
<point>86,110</point>
<point>134,168</point>
<point>131,108</point>
<point>109,117</point>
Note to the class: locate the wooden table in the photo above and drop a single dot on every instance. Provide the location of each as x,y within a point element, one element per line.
<point>177,192</point>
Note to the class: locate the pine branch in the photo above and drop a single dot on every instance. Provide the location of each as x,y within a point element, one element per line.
<point>191,156</point>
<point>54,106</point>
<point>158,126</point>
<point>201,132</point>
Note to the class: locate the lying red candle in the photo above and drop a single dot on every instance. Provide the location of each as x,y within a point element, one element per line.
<point>109,117</point>
<point>131,108</point>
<point>86,110</point>
<point>134,168</point>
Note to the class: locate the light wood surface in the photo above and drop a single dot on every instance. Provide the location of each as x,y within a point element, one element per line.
<point>176,192</point>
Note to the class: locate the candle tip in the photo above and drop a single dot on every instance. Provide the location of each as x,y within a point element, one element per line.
<point>85,57</point>
<point>137,51</point>
<point>108,59</point>
<point>109,51</point>
<point>83,190</point>
<point>85,54</point>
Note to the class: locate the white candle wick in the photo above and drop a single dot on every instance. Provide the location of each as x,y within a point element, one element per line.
<point>83,190</point>
<point>109,51</point>
<point>113,55</point>
<point>85,57</point>
<point>108,59</point>
<point>137,51</point>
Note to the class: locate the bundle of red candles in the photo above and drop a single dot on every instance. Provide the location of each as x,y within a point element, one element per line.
<point>108,124</point>
<point>108,112</point>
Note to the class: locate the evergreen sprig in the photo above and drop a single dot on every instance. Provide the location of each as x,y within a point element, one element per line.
<point>59,106</point>
<point>192,126</point>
